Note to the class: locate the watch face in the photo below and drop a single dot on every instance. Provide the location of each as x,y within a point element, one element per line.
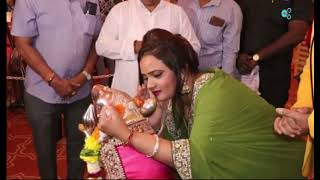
<point>256,57</point>
<point>87,75</point>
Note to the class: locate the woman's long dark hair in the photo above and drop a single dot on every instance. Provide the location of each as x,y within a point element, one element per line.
<point>178,55</point>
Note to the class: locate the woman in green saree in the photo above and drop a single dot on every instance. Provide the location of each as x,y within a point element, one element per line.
<point>213,127</point>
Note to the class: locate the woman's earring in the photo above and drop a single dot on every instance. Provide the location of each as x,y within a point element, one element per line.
<point>185,88</point>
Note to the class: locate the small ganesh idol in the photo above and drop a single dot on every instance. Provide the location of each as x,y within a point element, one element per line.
<point>119,160</point>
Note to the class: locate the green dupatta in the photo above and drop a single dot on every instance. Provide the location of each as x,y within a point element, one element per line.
<point>232,136</point>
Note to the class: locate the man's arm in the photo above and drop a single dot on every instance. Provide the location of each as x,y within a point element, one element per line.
<point>108,43</point>
<point>33,57</point>
<point>36,62</point>
<point>231,40</point>
<point>89,67</point>
<point>295,34</point>
<point>297,29</point>
<point>187,31</point>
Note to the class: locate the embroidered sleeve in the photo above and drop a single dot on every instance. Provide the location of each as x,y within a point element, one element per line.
<point>111,161</point>
<point>181,158</point>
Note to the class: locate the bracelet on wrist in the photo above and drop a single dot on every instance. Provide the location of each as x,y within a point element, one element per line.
<point>129,138</point>
<point>155,148</point>
<point>49,81</point>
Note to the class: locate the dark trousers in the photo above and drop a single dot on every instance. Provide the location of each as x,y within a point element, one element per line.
<point>45,120</point>
<point>275,84</point>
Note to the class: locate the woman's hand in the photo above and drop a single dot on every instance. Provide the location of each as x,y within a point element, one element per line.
<point>112,124</point>
<point>155,118</point>
<point>143,92</point>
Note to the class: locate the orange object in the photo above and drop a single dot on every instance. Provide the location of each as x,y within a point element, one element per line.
<point>120,109</point>
<point>95,134</point>
<point>138,101</point>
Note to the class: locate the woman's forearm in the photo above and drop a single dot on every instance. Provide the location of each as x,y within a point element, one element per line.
<point>145,143</point>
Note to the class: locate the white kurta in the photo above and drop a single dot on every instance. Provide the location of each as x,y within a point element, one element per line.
<point>129,21</point>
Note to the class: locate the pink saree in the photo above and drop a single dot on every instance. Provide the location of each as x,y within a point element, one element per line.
<point>124,162</point>
<point>148,168</point>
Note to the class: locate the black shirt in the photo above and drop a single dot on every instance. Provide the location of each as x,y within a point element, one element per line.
<point>264,21</point>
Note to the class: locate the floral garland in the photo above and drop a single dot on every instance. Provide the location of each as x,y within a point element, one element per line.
<point>90,153</point>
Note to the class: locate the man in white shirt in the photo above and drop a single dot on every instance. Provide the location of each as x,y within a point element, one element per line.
<point>121,35</point>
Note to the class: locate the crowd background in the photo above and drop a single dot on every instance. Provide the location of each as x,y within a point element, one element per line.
<point>16,66</point>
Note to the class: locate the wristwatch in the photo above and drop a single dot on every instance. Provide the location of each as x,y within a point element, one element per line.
<point>256,57</point>
<point>87,75</point>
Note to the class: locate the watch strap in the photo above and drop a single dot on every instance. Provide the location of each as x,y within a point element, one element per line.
<point>86,74</point>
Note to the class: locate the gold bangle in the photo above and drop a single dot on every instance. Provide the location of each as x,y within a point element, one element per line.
<point>129,138</point>
<point>155,148</point>
<point>51,78</point>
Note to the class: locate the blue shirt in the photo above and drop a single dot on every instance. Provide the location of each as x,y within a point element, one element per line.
<point>218,27</point>
<point>62,33</point>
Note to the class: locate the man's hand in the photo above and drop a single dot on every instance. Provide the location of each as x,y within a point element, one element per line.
<point>65,88</point>
<point>137,46</point>
<point>245,64</point>
<point>78,80</point>
<point>292,122</point>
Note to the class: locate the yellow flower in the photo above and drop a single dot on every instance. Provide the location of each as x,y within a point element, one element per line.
<point>92,144</point>
<point>91,150</point>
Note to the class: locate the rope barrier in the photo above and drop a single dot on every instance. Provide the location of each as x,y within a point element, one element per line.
<point>102,76</point>
<point>93,77</point>
<point>15,78</point>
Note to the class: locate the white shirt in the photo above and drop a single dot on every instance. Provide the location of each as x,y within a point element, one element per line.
<point>129,21</point>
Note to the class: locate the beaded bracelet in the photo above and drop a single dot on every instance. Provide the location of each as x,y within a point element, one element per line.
<point>156,147</point>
